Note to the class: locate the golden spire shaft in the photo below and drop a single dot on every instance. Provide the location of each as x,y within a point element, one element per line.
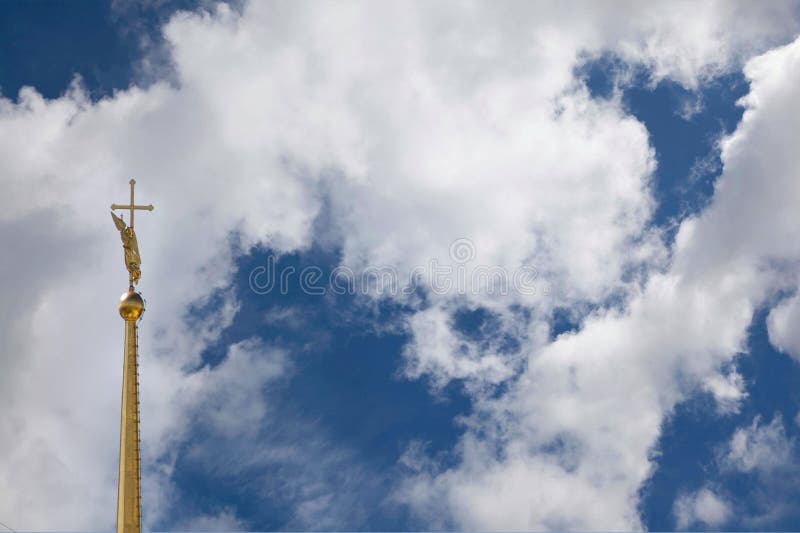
<point>129,490</point>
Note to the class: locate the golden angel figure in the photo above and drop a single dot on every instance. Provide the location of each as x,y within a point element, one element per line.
<point>131,247</point>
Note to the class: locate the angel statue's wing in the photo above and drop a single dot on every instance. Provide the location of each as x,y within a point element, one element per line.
<point>118,222</point>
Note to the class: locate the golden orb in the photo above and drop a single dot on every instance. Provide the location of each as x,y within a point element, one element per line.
<point>131,305</point>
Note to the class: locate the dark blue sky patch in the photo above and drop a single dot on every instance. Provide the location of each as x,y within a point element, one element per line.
<point>686,458</point>
<point>772,377</point>
<point>684,128</point>
<point>563,320</point>
<point>346,358</point>
<point>45,44</point>
<point>602,74</point>
<point>350,374</point>
<point>485,328</point>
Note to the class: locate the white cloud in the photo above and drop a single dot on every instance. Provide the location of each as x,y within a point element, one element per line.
<point>225,520</point>
<point>781,324</point>
<point>728,390</point>
<point>423,123</point>
<point>760,447</point>
<point>439,351</point>
<point>701,507</point>
<point>712,39</point>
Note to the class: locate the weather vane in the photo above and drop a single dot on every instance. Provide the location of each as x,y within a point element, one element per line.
<point>132,259</point>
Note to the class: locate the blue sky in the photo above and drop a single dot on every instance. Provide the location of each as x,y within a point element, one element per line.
<point>364,426</point>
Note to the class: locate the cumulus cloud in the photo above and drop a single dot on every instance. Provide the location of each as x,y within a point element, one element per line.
<point>586,413</point>
<point>418,123</point>
<point>781,324</point>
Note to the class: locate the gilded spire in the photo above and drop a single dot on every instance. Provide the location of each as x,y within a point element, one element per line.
<point>131,308</point>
